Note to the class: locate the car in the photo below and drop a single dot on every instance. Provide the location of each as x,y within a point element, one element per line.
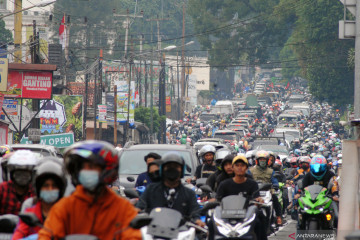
<point>217,140</point>
<point>132,160</point>
<point>43,150</point>
<point>281,151</point>
<point>227,135</point>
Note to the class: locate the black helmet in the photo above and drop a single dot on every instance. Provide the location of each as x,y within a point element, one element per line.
<point>50,167</point>
<point>229,158</point>
<point>172,157</point>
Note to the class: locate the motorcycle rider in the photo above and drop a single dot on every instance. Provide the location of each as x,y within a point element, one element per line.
<point>240,183</point>
<point>144,178</point>
<point>219,156</point>
<point>227,170</point>
<point>206,154</point>
<point>14,192</point>
<point>304,167</point>
<point>93,208</point>
<point>261,172</point>
<point>50,184</point>
<point>170,192</point>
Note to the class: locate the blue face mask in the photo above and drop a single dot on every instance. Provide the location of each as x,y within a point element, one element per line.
<point>49,196</point>
<point>89,179</point>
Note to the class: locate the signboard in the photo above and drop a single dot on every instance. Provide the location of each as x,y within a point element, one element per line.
<point>57,140</point>
<point>34,134</point>
<point>10,107</point>
<point>3,73</point>
<point>37,85</point>
<point>15,117</point>
<point>102,113</point>
<point>62,114</point>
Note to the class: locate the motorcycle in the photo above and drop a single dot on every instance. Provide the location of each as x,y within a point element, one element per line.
<point>234,217</point>
<point>267,207</point>
<point>8,224</point>
<point>315,211</point>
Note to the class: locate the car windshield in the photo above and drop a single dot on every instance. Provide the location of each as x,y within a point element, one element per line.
<point>226,136</point>
<point>132,162</point>
<point>274,148</point>
<point>40,151</point>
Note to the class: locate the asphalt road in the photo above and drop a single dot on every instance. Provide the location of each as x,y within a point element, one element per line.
<point>286,232</point>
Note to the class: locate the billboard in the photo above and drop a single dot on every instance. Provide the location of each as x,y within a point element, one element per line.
<point>62,116</point>
<point>33,85</point>
<point>3,73</point>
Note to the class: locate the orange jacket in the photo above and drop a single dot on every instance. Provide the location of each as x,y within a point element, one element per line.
<point>77,214</point>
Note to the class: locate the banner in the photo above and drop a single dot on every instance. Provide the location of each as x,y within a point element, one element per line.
<point>102,113</point>
<point>63,114</point>
<point>3,73</point>
<point>33,85</point>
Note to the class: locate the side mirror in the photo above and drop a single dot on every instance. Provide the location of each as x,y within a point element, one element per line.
<point>208,206</point>
<point>188,168</point>
<point>140,221</point>
<point>30,219</point>
<point>206,188</point>
<point>130,179</point>
<point>131,193</point>
<point>8,223</point>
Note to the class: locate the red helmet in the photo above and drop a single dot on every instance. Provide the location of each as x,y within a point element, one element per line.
<point>98,152</point>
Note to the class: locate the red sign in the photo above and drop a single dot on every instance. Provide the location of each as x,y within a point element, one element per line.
<point>36,85</point>
<point>168,101</point>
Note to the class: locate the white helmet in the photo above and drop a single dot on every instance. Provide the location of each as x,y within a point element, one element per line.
<point>207,149</point>
<point>20,166</point>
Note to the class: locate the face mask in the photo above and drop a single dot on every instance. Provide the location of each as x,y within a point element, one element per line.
<point>89,179</point>
<point>154,176</point>
<point>22,178</point>
<point>262,164</point>
<point>49,196</point>
<point>172,174</point>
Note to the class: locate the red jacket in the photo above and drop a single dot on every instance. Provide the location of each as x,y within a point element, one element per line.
<point>22,230</point>
<point>108,218</point>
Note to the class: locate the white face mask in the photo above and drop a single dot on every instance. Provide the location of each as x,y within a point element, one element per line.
<point>49,196</point>
<point>89,179</point>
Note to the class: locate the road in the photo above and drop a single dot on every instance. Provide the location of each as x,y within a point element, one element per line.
<point>286,232</point>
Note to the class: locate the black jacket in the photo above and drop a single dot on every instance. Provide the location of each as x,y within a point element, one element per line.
<point>185,201</point>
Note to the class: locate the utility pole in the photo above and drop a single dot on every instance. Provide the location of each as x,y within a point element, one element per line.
<point>183,63</point>
<point>86,78</point>
<point>101,89</point>
<point>139,72</point>
<point>95,100</point>
<point>178,86</point>
<point>146,83</point>
<point>115,117</point>
<point>18,30</point>
<point>162,106</point>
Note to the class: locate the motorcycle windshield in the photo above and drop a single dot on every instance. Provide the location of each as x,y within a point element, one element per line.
<point>165,223</point>
<point>314,191</point>
<point>233,207</point>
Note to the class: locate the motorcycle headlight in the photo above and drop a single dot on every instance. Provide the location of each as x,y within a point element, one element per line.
<point>223,228</point>
<point>243,231</point>
<point>320,208</point>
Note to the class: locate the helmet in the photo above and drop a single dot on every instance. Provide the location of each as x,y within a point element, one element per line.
<point>97,152</point>
<point>293,162</point>
<point>5,150</point>
<point>184,136</point>
<point>262,154</point>
<point>297,152</point>
<point>21,160</point>
<point>274,155</point>
<point>318,166</point>
<point>277,165</point>
<point>220,155</point>
<point>207,149</point>
<point>229,158</point>
<point>172,157</point>
<point>51,168</point>
<point>305,159</point>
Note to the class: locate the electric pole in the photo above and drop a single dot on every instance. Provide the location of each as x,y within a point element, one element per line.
<point>183,63</point>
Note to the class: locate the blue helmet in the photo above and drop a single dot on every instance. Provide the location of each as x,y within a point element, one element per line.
<point>318,167</point>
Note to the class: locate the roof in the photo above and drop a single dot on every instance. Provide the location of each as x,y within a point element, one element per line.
<point>158,147</point>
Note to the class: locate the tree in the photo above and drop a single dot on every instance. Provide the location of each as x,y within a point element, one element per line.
<point>143,114</point>
<point>5,34</point>
<point>319,52</point>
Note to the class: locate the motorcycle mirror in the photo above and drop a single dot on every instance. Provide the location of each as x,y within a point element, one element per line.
<point>140,221</point>
<point>188,168</point>
<point>30,219</point>
<point>130,179</point>
<point>300,184</point>
<point>210,205</point>
<point>206,188</point>
<point>131,193</point>
<point>8,223</point>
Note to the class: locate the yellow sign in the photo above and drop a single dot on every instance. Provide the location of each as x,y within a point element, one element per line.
<point>168,108</point>
<point>3,73</point>
<point>188,69</point>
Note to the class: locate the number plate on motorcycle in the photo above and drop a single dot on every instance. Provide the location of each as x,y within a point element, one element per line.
<point>233,213</point>
<point>263,193</point>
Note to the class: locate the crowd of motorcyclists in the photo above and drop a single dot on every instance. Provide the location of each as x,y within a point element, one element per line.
<point>37,185</point>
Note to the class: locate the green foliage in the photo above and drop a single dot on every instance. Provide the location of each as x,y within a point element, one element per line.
<point>5,35</point>
<point>320,54</point>
<point>143,114</point>
<point>105,27</point>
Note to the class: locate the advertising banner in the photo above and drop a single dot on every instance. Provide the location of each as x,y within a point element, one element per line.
<point>37,85</point>
<point>10,106</point>
<point>62,115</point>
<point>102,113</point>
<point>3,73</point>
<point>58,140</point>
